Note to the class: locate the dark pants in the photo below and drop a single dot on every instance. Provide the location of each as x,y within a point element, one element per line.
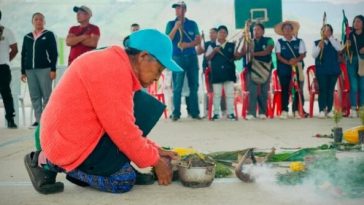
<point>189,63</point>
<point>5,91</point>
<point>326,85</point>
<point>286,91</point>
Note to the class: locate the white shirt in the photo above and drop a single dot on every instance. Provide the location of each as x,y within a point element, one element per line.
<point>6,40</point>
<point>302,47</point>
<point>334,42</point>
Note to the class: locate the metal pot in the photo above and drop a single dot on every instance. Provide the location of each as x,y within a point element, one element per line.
<point>196,177</point>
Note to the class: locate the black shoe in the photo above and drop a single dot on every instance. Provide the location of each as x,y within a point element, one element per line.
<point>174,118</point>
<point>144,179</point>
<point>43,181</point>
<point>231,117</point>
<point>11,124</point>
<point>197,117</point>
<point>34,125</point>
<point>215,117</point>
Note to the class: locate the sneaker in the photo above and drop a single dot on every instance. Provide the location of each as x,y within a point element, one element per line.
<point>297,115</point>
<point>231,117</point>
<point>250,117</point>
<point>284,115</point>
<point>34,125</point>
<point>321,115</point>
<point>43,181</point>
<point>215,117</point>
<point>330,114</point>
<point>144,179</point>
<point>353,113</point>
<point>262,116</point>
<point>11,124</point>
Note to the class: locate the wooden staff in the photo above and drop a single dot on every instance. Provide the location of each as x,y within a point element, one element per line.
<point>322,34</point>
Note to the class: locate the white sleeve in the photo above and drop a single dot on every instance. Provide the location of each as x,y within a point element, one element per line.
<point>302,48</point>
<point>278,47</point>
<point>315,51</point>
<point>335,43</point>
<point>10,36</point>
<point>209,50</point>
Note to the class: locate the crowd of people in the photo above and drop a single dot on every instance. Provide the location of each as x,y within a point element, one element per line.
<point>90,115</point>
<point>39,58</point>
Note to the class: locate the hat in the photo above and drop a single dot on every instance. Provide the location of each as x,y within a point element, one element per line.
<point>178,4</point>
<point>157,44</point>
<point>279,27</point>
<point>83,8</point>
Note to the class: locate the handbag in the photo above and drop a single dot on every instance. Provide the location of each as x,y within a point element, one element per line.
<point>260,71</point>
<point>360,60</point>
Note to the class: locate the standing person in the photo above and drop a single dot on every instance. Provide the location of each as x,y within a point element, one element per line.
<point>185,36</point>
<point>134,27</point>
<point>87,119</point>
<point>326,55</point>
<point>223,75</point>
<point>258,92</point>
<point>356,43</point>
<point>38,64</point>
<point>84,37</point>
<point>8,51</point>
<point>290,52</point>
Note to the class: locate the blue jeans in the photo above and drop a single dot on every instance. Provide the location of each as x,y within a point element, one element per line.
<point>189,64</point>
<point>356,84</point>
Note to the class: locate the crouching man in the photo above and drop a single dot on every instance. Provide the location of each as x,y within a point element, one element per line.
<point>89,130</point>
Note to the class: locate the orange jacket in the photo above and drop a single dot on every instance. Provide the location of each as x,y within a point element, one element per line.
<point>94,96</point>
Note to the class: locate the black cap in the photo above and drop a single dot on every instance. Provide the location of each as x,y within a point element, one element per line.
<point>179,4</point>
<point>223,27</point>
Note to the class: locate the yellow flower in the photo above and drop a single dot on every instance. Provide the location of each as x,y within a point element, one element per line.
<point>297,166</point>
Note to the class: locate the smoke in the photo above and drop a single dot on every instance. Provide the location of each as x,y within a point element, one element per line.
<point>327,182</point>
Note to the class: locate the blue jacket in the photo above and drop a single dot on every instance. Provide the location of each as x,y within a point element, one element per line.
<point>286,53</point>
<point>191,31</point>
<point>329,64</point>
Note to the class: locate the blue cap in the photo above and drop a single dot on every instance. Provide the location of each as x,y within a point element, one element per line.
<point>157,44</point>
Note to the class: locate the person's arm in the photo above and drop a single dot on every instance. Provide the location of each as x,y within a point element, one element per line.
<point>199,49</point>
<point>335,43</point>
<point>171,31</point>
<point>113,106</point>
<point>73,40</point>
<point>52,51</point>
<point>316,49</point>
<point>281,59</point>
<point>93,39</point>
<point>267,51</point>
<point>13,51</point>
<point>22,62</point>
<point>13,45</point>
<point>214,51</point>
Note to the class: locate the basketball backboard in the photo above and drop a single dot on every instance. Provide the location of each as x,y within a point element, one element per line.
<point>268,12</point>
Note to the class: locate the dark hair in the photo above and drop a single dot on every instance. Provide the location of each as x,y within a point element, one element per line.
<point>128,50</point>
<point>327,25</point>
<point>214,29</point>
<point>260,25</point>
<point>134,25</point>
<point>223,27</point>
<point>360,17</point>
<point>36,14</point>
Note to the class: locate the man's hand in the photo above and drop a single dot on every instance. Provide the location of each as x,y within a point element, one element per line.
<point>198,40</point>
<point>321,44</point>
<point>169,154</point>
<point>217,49</point>
<point>52,75</point>
<point>177,25</point>
<point>348,43</point>
<point>163,170</point>
<point>293,61</point>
